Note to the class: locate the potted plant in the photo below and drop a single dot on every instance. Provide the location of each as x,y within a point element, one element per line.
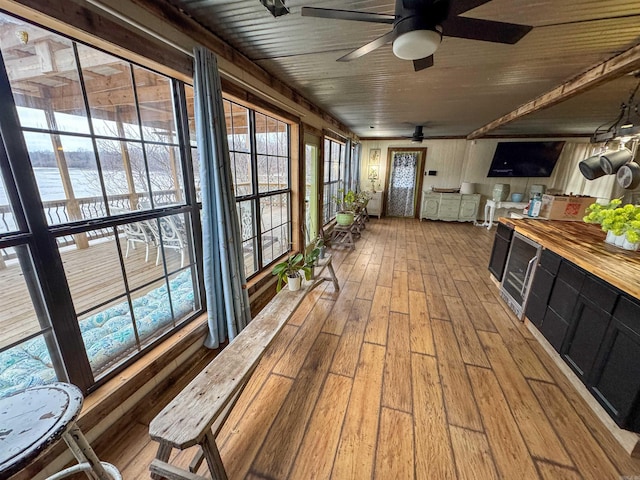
<point>288,272</point>
<point>362,199</point>
<point>346,205</point>
<point>621,223</point>
<point>321,244</point>
<point>310,258</point>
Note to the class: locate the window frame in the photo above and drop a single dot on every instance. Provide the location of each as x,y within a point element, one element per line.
<point>329,207</point>
<point>67,349</point>
<point>256,196</point>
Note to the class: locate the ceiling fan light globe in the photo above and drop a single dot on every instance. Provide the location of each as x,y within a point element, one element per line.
<point>417,44</point>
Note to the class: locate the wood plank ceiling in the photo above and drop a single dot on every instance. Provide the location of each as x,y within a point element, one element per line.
<point>471,83</point>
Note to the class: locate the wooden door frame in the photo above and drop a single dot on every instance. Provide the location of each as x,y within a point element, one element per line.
<point>312,136</point>
<point>422,161</point>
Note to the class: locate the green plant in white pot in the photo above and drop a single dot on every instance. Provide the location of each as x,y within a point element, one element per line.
<point>321,244</point>
<point>310,260</point>
<point>621,223</point>
<point>288,272</point>
<point>346,203</point>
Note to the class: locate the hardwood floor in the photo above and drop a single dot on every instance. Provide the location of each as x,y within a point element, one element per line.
<point>416,369</point>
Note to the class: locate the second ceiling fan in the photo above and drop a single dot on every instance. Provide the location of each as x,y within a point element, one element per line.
<point>418,27</point>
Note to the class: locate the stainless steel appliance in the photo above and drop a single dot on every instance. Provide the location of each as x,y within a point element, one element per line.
<point>518,273</point>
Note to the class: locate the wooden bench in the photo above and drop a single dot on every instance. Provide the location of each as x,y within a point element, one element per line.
<point>197,414</point>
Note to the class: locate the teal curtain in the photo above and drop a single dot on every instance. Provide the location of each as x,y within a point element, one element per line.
<point>223,263</point>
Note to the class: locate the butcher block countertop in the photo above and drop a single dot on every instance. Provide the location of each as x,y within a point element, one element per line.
<point>583,244</point>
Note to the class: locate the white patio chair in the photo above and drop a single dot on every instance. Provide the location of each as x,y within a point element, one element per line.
<point>173,236</point>
<point>137,232</point>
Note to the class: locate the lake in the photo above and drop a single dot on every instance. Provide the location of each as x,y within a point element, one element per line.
<point>85,183</point>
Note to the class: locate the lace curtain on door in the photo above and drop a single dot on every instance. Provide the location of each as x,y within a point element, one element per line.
<point>402,184</point>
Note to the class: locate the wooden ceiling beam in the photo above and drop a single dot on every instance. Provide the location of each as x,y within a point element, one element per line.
<point>615,67</point>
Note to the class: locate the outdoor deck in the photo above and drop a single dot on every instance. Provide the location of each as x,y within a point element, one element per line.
<point>94,277</point>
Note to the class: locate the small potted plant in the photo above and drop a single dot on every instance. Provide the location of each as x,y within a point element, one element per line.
<point>288,272</point>
<point>621,223</point>
<point>346,204</point>
<point>362,200</point>
<point>310,258</point>
<point>321,244</point>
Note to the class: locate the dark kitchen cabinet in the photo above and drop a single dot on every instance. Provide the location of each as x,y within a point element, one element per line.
<point>500,250</point>
<point>541,287</point>
<point>562,303</point>
<point>596,330</point>
<point>616,380</point>
<point>589,323</point>
<point>566,289</point>
<point>554,328</point>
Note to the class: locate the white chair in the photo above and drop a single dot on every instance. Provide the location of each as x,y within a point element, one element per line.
<point>137,232</point>
<point>170,235</point>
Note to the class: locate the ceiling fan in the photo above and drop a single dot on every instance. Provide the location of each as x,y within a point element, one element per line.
<point>418,27</point>
<point>417,135</point>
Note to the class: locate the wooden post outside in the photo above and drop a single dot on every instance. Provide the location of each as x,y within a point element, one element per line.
<point>126,163</point>
<point>73,207</point>
<point>173,161</point>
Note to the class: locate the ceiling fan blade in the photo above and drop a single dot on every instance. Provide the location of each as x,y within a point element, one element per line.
<point>486,30</point>
<point>347,15</point>
<point>369,47</point>
<point>460,6</point>
<point>423,63</point>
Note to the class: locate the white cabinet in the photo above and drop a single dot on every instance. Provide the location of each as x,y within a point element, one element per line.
<point>449,207</point>
<point>374,207</point>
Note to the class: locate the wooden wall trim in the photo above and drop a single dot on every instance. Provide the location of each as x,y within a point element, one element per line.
<point>234,92</point>
<point>334,136</point>
<point>306,128</point>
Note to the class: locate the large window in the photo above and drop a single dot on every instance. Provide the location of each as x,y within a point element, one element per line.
<point>260,166</point>
<point>334,168</point>
<point>98,252</point>
<point>99,206</point>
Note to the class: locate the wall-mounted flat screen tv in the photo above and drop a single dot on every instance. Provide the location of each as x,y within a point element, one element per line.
<point>525,159</point>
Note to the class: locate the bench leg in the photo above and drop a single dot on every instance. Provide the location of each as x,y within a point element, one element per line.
<point>197,461</point>
<point>163,454</point>
<point>211,453</point>
<point>334,279</point>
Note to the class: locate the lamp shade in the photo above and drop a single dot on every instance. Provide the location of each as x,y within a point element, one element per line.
<point>416,44</point>
<point>612,161</point>
<point>591,168</point>
<point>628,176</point>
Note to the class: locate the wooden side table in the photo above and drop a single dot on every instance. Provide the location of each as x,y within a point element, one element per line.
<point>342,237</point>
<point>35,419</point>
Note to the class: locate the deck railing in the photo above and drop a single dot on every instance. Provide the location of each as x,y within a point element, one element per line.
<point>65,211</point>
<point>59,212</point>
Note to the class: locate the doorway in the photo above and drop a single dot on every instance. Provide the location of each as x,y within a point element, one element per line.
<point>404,181</point>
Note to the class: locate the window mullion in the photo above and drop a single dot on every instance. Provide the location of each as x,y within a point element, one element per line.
<point>195,237</point>
<point>254,181</point>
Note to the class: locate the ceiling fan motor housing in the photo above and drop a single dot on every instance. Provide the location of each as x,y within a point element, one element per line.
<point>416,43</point>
